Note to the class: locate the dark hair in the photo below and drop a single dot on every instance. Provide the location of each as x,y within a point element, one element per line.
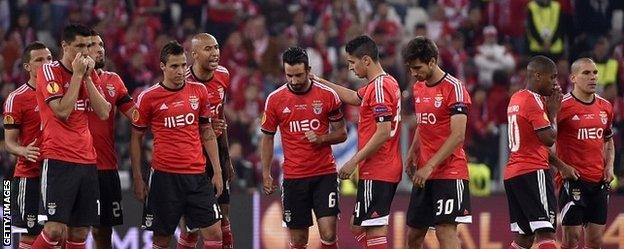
<point>36,45</point>
<point>295,55</point>
<point>71,31</point>
<point>171,48</point>
<point>421,48</point>
<point>361,46</point>
<point>540,63</point>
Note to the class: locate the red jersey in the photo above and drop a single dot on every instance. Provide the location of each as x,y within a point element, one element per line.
<point>22,112</point>
<point>69,140</point>
<point>103,131</point>
<point>381,101</point>
<point>217,86</point>
<point>582,129</point>
<point>174,116</point>
<point>526,116</point>
<point>434,106</point>
<point>295,114</point>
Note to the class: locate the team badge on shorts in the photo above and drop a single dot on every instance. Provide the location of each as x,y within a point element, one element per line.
<point>317,107</point>
<point>30,221</point>
<point>287,216</point>
<point>576,194</point>
<point>51,208</point>
<point>148,220</point>
<point>194,102</point>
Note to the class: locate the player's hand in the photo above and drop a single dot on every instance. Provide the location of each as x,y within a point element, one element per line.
<point>219,126</point>
<point>217,180</point>
<point>90,65</point>
<point>568,172</point>
<point>553,102</point>
<point>314,138</point>
<point>347,170</point>
<point>410,165</point>
<point>421,176</point>
<point>31,152</point>
<point>267,184</point>
<point>140,190</point>
<point>79,64</point>
<point>608,175</point>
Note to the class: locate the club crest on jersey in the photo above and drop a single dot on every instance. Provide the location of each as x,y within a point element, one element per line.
<point>53,88</point>
<point>111,90</point>
<point>51,208</point>
<point>438,100</point>
<point>603,117</point>
<point>317,107</point>
<point>194,102</point>
<point>9,120</point>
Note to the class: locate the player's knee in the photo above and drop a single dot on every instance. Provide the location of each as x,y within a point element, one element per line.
<point>54,230</point>
<point>357,230</point>
<point>328,236</point>
<point>415,237</point>
<point>445,229</point>
<point>570,239</point>
<point>189,236</point>
<point>544,234</point>
<point>212,232</point>
<point>298,239</point>
<point>593,242</point>
<point>523,240</point>
<point>78,233</point>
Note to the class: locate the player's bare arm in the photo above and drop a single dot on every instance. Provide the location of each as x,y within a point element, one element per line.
<point>30,151</point>
<point>337,134</point>
<point>346,95</point>
<point>266,157</point>
<point>382,134</point>
<point>412,154</point>
<point>609,158</point>
<point>136,141</point>
<point>566,171</point>
<point>548,135</point>
<point>220,127</point>
<point>62,107</point>
<point>456,138</point>
<point>100,106</point>
<point>209,140</point>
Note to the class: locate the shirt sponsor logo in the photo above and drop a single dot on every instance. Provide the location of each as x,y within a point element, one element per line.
<point>426,118</point>
<point>304,125</point>
<point>589,133</point>
<point>179,120</point>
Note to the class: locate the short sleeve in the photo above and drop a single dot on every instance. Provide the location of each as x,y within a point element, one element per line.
<point>124,100</point>
<point>380,99</point>
<point>335,112</point>
<point>609,127</point>
<point>204,103</point>
<point>141,115</point>
<point>458,99</point>
<point>12,113</point>
<point>48,83</point>
<point>269,121</point>
<point>535,113</point>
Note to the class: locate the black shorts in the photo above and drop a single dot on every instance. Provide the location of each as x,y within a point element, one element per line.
<point>172,196</point>
<point>441,201</point>
<point>111,213</point>
<point>70,193</point>
<point>374,198</point>
<point>301,196</point>
<point>532,203</point>
<point>25,202</point>
<point>582,202</point>
<point>224,198</point>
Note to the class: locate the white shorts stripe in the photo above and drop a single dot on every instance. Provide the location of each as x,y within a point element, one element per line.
<point>44,181</point>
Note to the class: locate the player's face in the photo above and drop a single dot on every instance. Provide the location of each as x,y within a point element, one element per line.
<point>357,65</point>
<point>548,82</point>
<point>207,54</point>
<point>585,78</point>
<point>96,51</point>
<point>175,69</point>
<point>297,76</point>
<point>79,45</point>
<point>37,59</point>
<point>419,70</point>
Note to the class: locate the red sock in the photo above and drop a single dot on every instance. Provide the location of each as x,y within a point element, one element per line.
<point>515,246</point>
<point>213,244</point>
<point>43,241</point>
<point>187,241</point>
<point>75,245</point>
<point>547,244</point>
<point>361,239</point>
<point>377,242</point>
<point>298,247</point>
<point>226,235</point>
<point>329,245</point>
<point>25,245</point>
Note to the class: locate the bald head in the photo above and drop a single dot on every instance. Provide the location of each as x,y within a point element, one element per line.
<point>579,64</point>
<point>201,39</point>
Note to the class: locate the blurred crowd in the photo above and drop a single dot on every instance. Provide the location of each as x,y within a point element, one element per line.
<point>484,43</point>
